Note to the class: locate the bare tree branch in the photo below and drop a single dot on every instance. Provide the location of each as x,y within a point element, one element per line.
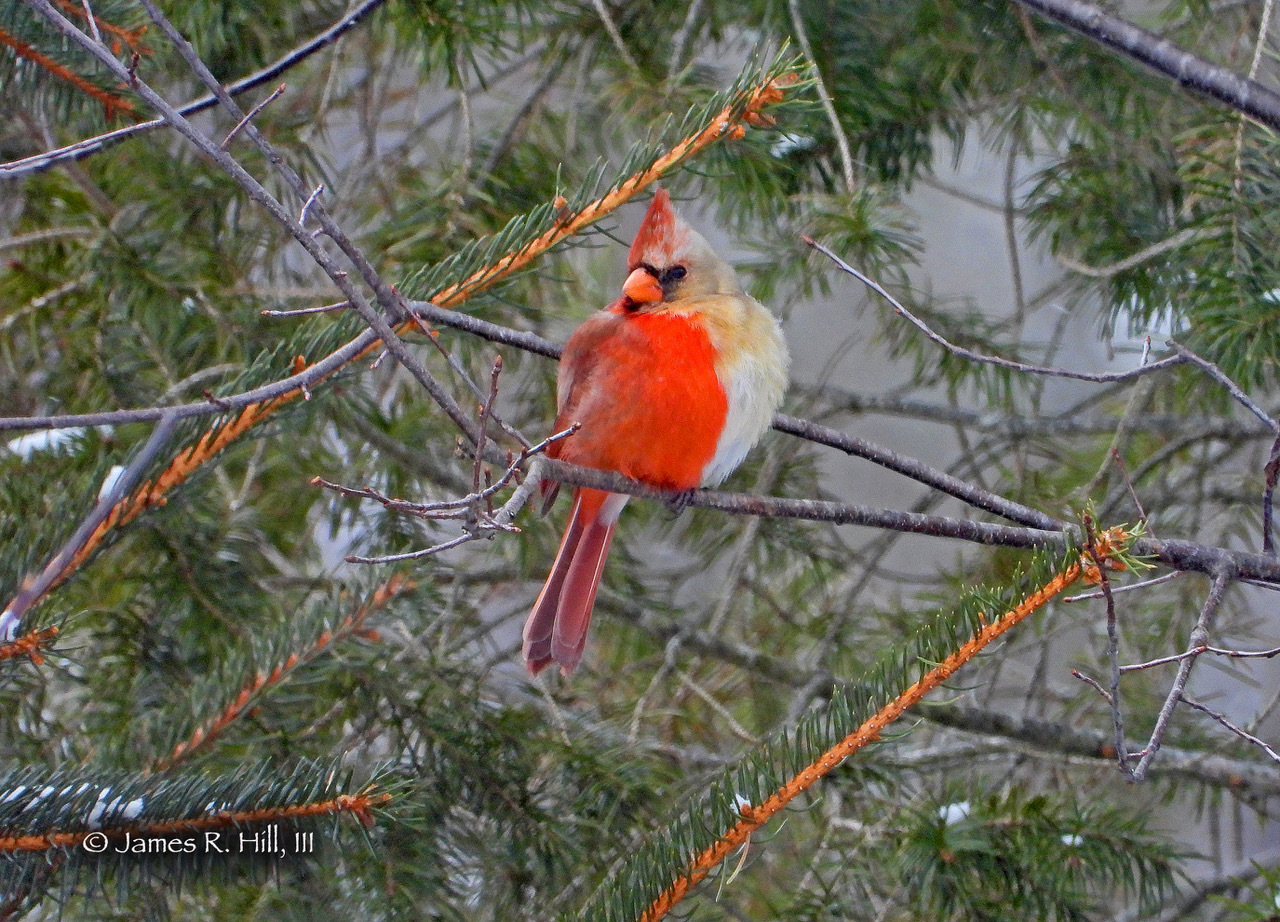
<point>1024,367</point>
<point>1234,389</point>
<point>309,377</point>
<point>1245,96</point>
<point>1199,638</point>
<point>1243,734</point>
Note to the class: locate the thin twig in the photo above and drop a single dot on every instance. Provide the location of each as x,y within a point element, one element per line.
<point>1222,378</point>
<point>1271,470</point>
<point>1165,660</point>
<point>1271,473</point>
<point>1128,588</point>
<point>474,509</point>
<point>226,142</point>
<point>1238,731</point>
<point>1113,640</point>
<point>486,410</point>
<point>302,311</point>
<point>1096,377</point>
<point>508,138</point>
<point>615,36</point>
<point>1129,262</point>
<point>1133,408</point>
<point>1197,651</point>
<point>681,40</point>
<point>92,20</point>
<point>446,509</point>
<point>414,555</point>
<point>311,199</point>
<point>1090,680</point>
<point>1199,638</point>
<point>824,97</point>
<point>1124,472</point>
<point>462,374</point>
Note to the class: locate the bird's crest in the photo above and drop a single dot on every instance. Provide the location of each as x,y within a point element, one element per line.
<point>662,236</point>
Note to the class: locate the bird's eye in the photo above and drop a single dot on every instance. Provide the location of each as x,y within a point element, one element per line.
<point>676,273</point>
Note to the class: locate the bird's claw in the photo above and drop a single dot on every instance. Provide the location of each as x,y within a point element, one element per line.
<point>677,502</point>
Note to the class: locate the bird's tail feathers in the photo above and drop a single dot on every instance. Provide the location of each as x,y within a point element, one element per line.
<point>556,630</point>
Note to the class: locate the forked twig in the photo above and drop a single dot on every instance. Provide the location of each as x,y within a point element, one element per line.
<point>937,338</point>
<point>475,509</point>
<point>1238,731</point>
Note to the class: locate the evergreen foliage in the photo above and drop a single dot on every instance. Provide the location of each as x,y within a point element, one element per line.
<point>218,662</point>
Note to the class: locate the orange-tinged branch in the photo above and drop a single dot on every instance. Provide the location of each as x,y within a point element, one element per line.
<point>131,37</point>
<point>359,805</point>
<point>29,645</point>
<point>755,816</point>
<point>112,102</point>
<point>350,625</point>
<point>728,121</point>
<point>153,492</point>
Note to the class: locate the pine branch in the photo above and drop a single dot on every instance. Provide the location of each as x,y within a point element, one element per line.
<point>525,237</point>
<point>110,101</point>
<point>29,645</point>
<point>89,533</point>
<point>263,680</point>
<point>79,150</point>
<point>361,806</point>
<point>820,742</point>
<point>131,37</point>
<point>140,829</point>
<point>53,816</point>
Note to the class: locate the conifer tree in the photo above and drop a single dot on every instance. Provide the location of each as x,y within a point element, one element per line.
<point>282,291</point>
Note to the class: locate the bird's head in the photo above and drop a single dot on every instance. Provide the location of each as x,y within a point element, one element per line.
<point>671,264</point>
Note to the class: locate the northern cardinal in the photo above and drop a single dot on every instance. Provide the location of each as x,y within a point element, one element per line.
<point>671,384</point>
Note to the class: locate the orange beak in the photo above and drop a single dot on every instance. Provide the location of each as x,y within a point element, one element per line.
<point>642,288</point>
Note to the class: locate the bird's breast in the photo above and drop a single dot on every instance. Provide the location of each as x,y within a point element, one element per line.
<point>645,389</point>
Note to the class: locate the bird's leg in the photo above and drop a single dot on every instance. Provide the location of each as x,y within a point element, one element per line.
<point>677,502</point>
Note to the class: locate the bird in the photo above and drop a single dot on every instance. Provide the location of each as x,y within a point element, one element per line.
<point>671,385</point>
